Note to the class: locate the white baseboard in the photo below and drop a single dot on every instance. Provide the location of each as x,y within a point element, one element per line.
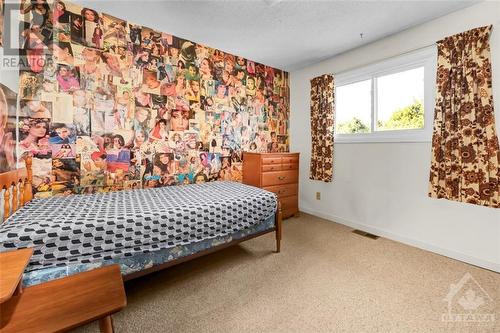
<point>405,240</point>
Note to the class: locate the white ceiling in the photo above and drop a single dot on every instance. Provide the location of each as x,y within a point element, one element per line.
<point>283,34</point>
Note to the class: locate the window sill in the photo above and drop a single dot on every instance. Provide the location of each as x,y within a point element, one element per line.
<point>385,137</point>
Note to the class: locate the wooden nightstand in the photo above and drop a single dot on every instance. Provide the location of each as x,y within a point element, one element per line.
<point>63,304</point>
<point>12,266</point>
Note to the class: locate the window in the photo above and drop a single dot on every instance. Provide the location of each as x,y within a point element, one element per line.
<point>389,101</point>
<point>355,102</point>
<point>400,99</point>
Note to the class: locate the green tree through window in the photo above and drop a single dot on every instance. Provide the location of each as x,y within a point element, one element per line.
<point>409,117</point>
<point>355,125</point>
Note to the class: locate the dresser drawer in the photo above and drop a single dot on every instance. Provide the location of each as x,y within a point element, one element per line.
<point>289,205</point>
<point>271,160</point>
<point>271,167</point>
<point>290,159</point>
<point>290,166</point>
<point>280,177</point>
<point>283,190</point>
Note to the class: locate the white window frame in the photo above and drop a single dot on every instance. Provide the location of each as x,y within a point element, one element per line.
<point>425,57</point>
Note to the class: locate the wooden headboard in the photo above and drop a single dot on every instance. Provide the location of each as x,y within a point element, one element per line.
<point>17,188</point>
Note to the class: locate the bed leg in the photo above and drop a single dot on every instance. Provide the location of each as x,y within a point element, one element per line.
<point>106,325</point>
<point>277,222</point>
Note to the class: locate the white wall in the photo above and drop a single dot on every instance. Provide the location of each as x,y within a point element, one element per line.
<point>382,187</point>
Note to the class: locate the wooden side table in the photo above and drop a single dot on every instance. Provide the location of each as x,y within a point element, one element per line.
<point>12,266</point>
<point>62,304</point>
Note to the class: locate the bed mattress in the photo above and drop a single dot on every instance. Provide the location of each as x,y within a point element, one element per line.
<point>85,229</point>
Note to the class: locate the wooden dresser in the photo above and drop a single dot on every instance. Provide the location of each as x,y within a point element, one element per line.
<point>275,172</point>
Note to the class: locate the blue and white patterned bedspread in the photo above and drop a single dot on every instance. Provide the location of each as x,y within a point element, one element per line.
<point>141,261</point>
<point>106,227</point>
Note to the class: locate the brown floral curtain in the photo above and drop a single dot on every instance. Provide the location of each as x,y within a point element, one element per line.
<point>465,149</point>
<point>322,119</point>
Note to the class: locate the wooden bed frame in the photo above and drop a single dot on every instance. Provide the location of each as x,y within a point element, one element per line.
<point>17,186</point>
<point>18,190</point>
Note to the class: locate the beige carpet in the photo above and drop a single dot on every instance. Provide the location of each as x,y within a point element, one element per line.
<point>326,279</point>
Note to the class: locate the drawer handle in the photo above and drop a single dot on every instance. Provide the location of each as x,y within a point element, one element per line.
<point>281,177</point>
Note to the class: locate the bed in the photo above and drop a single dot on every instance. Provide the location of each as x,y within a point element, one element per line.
<point>142,230</point>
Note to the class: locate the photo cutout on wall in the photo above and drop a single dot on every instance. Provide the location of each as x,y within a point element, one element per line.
<point>92,28</point>
<point>37,33</point>
<point>65,175</point>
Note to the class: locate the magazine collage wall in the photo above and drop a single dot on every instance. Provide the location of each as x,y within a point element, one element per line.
<point>106,104</point>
